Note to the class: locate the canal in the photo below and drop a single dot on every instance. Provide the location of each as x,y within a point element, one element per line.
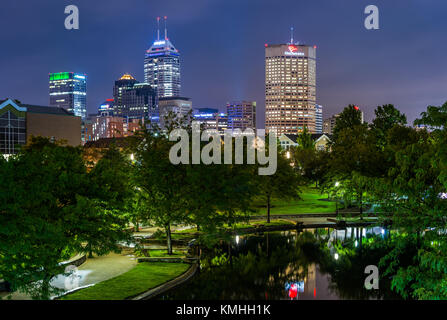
<point>309,264</point>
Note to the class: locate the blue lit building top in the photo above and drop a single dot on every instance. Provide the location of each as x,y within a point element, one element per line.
<point>162,66</point>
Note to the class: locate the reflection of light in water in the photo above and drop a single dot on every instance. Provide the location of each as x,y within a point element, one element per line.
<point>377,230</point>
<point>293,288</point>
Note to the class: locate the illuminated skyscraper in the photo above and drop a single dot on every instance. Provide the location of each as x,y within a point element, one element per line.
<point>68,90</point>
<point>133,99</point>
<point>162,66</point>
<point>290,87</point>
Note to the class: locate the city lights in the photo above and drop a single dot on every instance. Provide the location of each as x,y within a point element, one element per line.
<point>247,165</point>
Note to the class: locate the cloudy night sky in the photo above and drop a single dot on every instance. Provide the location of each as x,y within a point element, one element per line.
<point>221,43</point>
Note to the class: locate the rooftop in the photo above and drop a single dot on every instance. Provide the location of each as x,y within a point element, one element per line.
<point>46,110</point>
<point>174,98</point>
<point>315,136</point>
<point>34,108</point>
<point>127,76</point>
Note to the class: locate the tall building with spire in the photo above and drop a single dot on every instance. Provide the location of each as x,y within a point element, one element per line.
<point>162,66</point>
<point>290,88</point>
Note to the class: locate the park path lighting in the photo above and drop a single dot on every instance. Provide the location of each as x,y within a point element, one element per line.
<point>336,197</point>
<point>336,256</point>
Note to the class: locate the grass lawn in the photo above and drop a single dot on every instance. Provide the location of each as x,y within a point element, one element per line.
<point>310,203</point>
<point>187,234</point>
<point>242,225</point>
<point>142,277</point>
<point>259,222</point>
<point>158,253</point>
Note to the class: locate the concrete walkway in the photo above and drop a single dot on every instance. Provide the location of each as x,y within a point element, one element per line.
<point>94,270</point>
<point>98,269</point>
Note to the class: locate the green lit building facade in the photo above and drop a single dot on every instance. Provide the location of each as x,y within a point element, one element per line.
<point>68,90</point>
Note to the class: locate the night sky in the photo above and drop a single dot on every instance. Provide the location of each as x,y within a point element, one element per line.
<point>222,48</point>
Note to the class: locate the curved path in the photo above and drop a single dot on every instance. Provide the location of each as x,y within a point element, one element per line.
<point>98,269</point>
<point>94,270</point>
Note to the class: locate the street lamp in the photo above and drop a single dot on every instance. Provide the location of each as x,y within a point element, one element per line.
<point>336,198</point>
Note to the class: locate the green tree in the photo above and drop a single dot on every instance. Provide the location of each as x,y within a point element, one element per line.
<point>109,191</point>
<point>413,192</point>
<point>310,163</point>
<point>350,117</point>
<point>164,183</point>
<point>355,158</point>
<point>386,117</point>
<point>305,141</point>
<point>283,184</point>
<point>46,213</point>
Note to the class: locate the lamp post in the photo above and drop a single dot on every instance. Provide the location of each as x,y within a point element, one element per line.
<point>336,197</point>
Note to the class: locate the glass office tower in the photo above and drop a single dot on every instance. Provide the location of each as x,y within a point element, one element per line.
<point>133,99</point>
<point>162,67</point>
<point>290,88</point>
<point>68,90</point>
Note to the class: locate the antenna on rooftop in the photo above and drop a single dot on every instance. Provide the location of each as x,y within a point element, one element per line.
<point>166,29</point>
<point>291,35</point>
<point>158,28</point>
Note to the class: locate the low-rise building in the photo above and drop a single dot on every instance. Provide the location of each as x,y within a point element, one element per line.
<point>18,122</point>
<point>179,106</point>
<point>211,119</point>
<point>113,127</point>
<point>329,124</point>
<point>321,140</point>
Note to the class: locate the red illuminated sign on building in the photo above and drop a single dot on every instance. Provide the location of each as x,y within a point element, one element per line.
<point>293,48</point>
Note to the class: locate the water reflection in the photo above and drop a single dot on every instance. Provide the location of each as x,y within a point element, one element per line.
<point>313,264</point>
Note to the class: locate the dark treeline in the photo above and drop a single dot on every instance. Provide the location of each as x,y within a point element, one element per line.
<point>400,172</point>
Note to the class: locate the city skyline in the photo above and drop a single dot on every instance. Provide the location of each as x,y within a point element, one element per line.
<point>264,152</point>
<point>355,65</point>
